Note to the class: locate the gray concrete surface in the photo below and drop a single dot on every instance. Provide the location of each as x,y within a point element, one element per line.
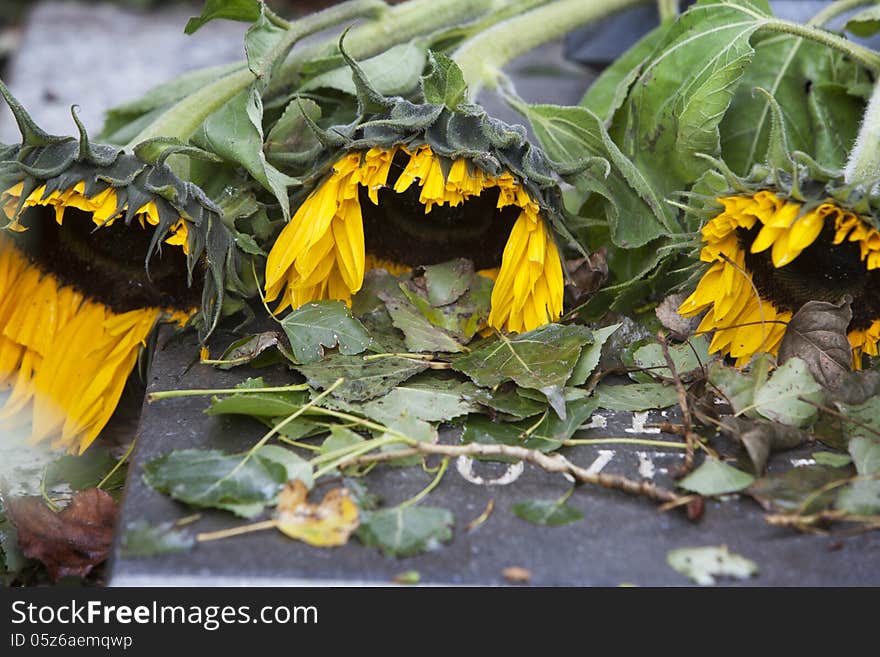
<point>100,55</point>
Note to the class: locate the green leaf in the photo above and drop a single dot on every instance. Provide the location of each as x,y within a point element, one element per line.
<point>833,459</point>
<point>405,531</point>
<point>687,357</point>
<point>235,10</point>
<point>704,564</point>
<point>447,282</point>
<point>211,478</point>
<point>635,396</point>
<point>294,465</point>
<point>419,333</point>
<point>363,379</point>
<point>715,477</point>
<point>80,472</point>
<point>632,207</point>
<point>865,455</point>
<point>235,133</point>
<point>778,399</point>
<point>739,387</point>
<point>259,404</point>
<point>865,23</point>
<point>809,81</point>
<point>340,438</point>
<point>683,92</point>
<point>788,491</point>
<point>509,401</point>
<point>430,399</point>
<point>321,324</point>
<point>542,359</point>
<point>445,84</point>
<point>860,498</point>
<point>547,512</point>
<point>260,44</point>
<point>590,355</point>
<point>141,539</point>
<point>608,91</point>
<point>547,436</point>
<point>292,136</point>
<point>394,72</point>
<point>460,318</point>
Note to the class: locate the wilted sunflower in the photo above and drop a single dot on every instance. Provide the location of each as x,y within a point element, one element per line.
<point>420,184</point>
<point>769,255</point>
<point>84,278</point>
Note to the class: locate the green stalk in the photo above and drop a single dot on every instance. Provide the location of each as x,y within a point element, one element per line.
<point>393,26</point>
<point>864,56</point>
<point>482,56</point>
<point>863,165</point>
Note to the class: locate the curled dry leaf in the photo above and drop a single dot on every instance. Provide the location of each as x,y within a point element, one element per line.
<point>327,524</point>
<point>679,326</point>
<point>70,542</point>
<point>587,274</point>
<point>817,335</point>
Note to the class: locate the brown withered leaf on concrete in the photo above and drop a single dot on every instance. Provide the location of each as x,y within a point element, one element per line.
<point>70,542</point>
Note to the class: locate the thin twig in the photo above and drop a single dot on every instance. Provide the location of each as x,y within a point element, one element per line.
<point>555,463</point>
<point>687,421</point>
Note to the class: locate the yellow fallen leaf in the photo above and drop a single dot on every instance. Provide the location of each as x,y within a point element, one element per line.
<point>327,524</point>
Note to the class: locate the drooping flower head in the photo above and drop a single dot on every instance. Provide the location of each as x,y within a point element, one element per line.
<point>420,184</point>
<point>98,248</point>
<point>778,240</point>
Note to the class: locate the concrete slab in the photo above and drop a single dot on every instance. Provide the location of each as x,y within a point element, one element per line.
<point>620,540</point>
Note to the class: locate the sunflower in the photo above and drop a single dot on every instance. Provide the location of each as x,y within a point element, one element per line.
<point>395,208</point>
<point>77,303</point>
<point>768,256</point>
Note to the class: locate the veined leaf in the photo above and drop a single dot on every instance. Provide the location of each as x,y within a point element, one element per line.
<point>234,10</point>
<point>321,324</point>
<point>810,82</point>
<point>542,360</point>
<point>405,531</point>
<point>683,91</point>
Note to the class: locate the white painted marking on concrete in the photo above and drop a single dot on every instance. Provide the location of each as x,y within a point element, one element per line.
<point>465,467</point>
<point>596,422</point>
<point>646,465</point>
<point>799,463</point>
<point>638,424</point>
<point>605,455</point>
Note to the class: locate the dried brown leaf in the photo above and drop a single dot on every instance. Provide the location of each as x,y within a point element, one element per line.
<point>817,335</point>
<point>679,326</point>
<point>587,274</point>
<point>70,542</point>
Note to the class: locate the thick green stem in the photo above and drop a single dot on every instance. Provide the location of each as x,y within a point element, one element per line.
<point>864,56</point>
<point>398,25</point>
<point>482,57</point>
<point>863,166</point>
<point>182,119</point>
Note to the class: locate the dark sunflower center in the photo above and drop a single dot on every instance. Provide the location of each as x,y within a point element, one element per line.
<point>107,264</point>
<point>822,272</point>
<point>399,230</point>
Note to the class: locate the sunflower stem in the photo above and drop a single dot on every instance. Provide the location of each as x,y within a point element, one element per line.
<point>863,165</point>
<point>482,56</point>
<point>184,117</point>
<point>864,56</point>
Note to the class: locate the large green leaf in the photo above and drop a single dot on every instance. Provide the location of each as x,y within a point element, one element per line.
<point>810,82</point>
<point>684,90</point>
<point>235,133</point>
<point>234,10</point>
<point>393,72</point>
<point>542,360</point>
<point>364,379</point>
<point>551,513</point>
<point>321,324</point>
<point>405,531</point>
<point>629,203</point>
<point>715,477</point>
<point>211,478</point>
